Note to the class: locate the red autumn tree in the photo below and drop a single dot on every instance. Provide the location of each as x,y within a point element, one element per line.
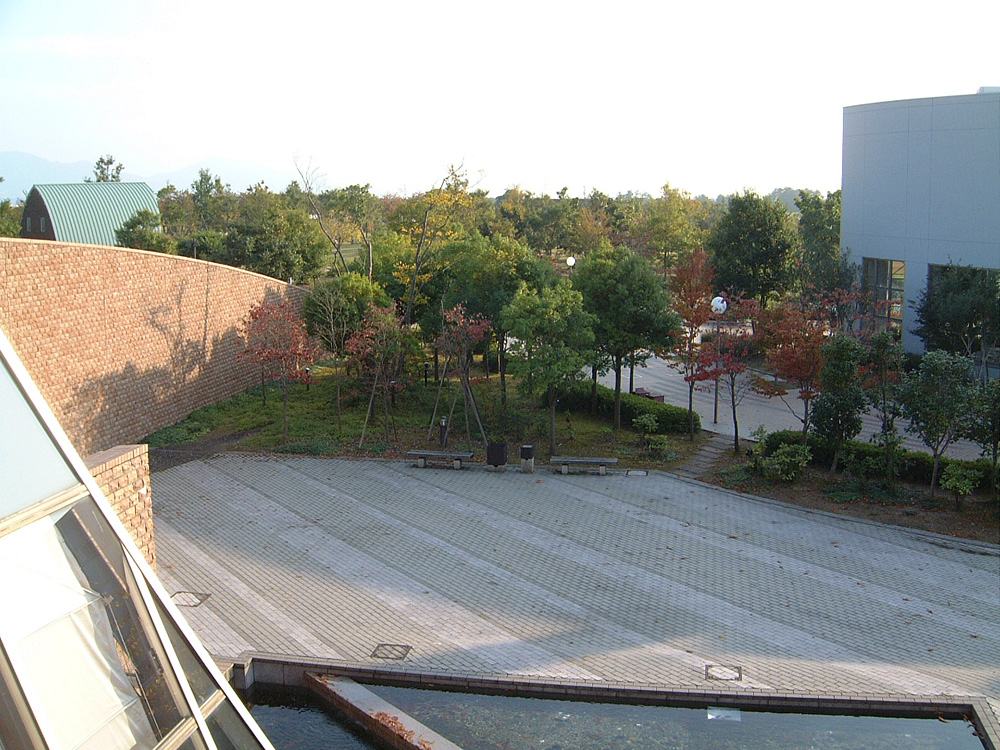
<point>378,352</point>
<point>692,293</point>
<point>793,335</point>
<point>460,333</point>
<point>274,337</point>
<point>726,357</point>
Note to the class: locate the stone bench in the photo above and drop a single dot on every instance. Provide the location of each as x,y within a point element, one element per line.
<point>456,457</point>
<point>564,462</point>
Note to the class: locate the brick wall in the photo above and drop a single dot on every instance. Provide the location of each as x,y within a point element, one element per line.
<point>124,342</point>
<point>122,473</point>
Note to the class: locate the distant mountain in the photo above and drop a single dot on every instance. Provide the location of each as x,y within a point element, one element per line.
<point>20,171</point>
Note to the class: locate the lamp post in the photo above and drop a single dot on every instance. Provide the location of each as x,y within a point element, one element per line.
<point>719,307</point>
<point>571,261</point>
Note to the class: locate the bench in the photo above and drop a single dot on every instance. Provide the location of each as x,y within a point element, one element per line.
<point>564,462</point>
<point>456,457</point>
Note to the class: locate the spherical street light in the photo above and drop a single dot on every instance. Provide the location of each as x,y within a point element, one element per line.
<point>571,261</point>
<point>719,305</point>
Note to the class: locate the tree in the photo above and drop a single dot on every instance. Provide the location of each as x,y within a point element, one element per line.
<point>824,267</point>
<point>269,239</point>
<point>671,227</point>
<point>378,352</point>
<point>753,248</point>
<point>143,232</point>
<point>984,425</point>
<point>691,288</point>
<point>552,339</point>
<point>106,169</point>
<point>214,203</point>
<point>881,374</point>
<point>936,399</point>
<point>357,208</point>
<point>335,308</point>
<point>10,218</point>
<point>726,357</point>
<point>793,338</point>
<point>274,337</point>
<point>959,312</point>
<point>485,276</point>
<point>460,333</point>
<point>838,409</point>
<point>630,307</point>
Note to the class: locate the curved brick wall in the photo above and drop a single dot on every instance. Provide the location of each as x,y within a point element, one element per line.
<point>123,342</point>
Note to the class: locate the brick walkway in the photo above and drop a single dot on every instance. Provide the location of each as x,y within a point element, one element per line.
<point>643,579</point>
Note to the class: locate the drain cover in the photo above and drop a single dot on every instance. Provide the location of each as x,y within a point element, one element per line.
<point>391,651</point>
<point>635,473</point>
<point>189,598</point>
<point>723,672</point>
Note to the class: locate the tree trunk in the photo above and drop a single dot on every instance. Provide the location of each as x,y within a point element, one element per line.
<point>593,389</point>
<point>736,423</point>
<point>934,474</point>
<point>284,406</point>
<point>691,409</point>
<point>618,394</point>
<point>631,376</point>
<point>552,420</point>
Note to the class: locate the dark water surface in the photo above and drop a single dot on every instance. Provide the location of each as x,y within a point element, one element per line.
<point>300,721</point>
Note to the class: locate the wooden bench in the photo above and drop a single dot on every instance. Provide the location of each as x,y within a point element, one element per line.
<point>456,457</point>
<point>564,462</point>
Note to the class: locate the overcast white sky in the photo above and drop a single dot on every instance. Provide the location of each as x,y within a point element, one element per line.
<point>712,97</point>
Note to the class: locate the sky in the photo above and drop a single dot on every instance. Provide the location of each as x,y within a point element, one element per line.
<point>710,97</point>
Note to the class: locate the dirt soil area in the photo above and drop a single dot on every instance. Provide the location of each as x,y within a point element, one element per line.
<point>910,505</point>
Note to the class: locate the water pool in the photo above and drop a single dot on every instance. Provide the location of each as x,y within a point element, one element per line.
<point>484,722</point>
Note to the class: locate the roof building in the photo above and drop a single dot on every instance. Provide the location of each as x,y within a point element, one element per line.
<point>921,189</point>
<point>83,212</point>
<point>93,654</point>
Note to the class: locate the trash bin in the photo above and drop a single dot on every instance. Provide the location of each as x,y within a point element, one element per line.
<point>527,458</point>
<point>496,454</point>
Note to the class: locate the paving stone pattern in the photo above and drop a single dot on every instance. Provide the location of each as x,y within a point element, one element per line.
<point>636,579</point>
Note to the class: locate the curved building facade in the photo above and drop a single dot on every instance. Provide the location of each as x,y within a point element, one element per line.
<point>921,188</point>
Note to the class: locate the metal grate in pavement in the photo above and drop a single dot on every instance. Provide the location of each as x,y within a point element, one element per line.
<point>396,651</point>
<point>723,672</point>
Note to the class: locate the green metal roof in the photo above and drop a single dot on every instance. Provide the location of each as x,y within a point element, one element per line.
<point>90,212</point>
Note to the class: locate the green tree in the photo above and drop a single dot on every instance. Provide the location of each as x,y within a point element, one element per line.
<point>551,342</point>
<point>881,379</point>
<point>672,228</point>
<point>936,399</point>
<point>824,266</point>
<point>177,212</point>
<point>336,308</point>
<point>631,309</point>
<point>984,425</point>
<point>959,312</point>
<point>753,248</point>
<point>357,208</point>
<point>214,203</point>
<point>269,239</point>
<point>143,232</point>
<point>841,402</point>
<point>106,169</point>
<point>485,276</point>
<point>10,218</point>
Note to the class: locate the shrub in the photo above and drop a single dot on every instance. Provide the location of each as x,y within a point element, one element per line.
<point>786,463</point>
<point>670,419</point>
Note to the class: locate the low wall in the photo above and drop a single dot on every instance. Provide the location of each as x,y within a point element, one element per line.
<point>122,473</point>
<point>124,342</point>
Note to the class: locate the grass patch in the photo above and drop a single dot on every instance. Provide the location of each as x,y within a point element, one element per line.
<point>316,426</point>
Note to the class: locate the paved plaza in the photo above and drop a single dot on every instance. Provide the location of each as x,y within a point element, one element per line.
<point>625,578</point>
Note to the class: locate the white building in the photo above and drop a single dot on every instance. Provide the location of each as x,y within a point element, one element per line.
<point>921,188</point>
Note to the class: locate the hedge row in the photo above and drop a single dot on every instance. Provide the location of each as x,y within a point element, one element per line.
<point>914,466</point>
<point>670,419</point>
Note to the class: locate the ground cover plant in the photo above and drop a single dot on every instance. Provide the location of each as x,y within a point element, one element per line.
<point>327,416</point>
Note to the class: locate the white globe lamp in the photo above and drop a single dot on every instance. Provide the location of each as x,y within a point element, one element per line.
<point>719,305</point>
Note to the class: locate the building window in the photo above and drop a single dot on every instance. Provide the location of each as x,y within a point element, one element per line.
<point>885,279</point>
<point>41,223</point>
<point>27,223</point>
